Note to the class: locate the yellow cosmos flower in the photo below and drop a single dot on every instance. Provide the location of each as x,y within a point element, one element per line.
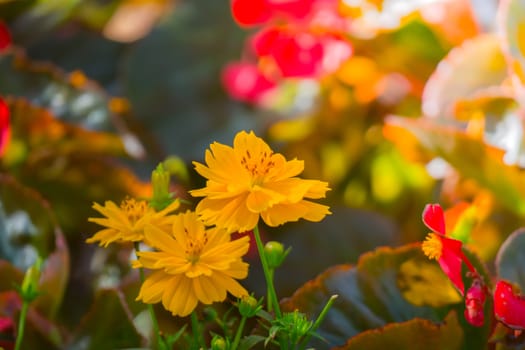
<point>248,181</point>
<point>192,264</point>
<point>126,223</point>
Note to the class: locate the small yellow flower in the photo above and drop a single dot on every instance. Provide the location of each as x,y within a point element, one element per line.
<point>193,264</point>
<point>126,223</point>
<point>248,181</point>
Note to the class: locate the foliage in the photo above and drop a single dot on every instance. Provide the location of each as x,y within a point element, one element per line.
<point>387,108</point>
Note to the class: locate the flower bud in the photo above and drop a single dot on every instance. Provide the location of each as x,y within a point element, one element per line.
<point>160,181</point>
<point>29,290</point>
<point>474,304</point>
<point>219,343</point>
<point>249,306</point>
<point>275,254</point>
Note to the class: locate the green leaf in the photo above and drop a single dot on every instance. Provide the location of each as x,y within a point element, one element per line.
<point>107,325</point>
<point>369,296</point>
<point>338,239</point>
<point>29,230</point>
<point>250,341</point>
<point>35,133</point>
<point>178,93</point>
<point>422,282</point>
<point>416,334</point>
<point>471,157</point>
<point>510,260</point>
<point>372,294</point>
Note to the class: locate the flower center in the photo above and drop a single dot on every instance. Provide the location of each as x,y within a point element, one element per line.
<point>194,247</point>
<point>257,165</point>
<point>432,246</point>
<point>133,209</point>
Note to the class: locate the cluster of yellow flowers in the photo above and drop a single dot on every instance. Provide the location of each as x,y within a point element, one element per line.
<point>194,257</point>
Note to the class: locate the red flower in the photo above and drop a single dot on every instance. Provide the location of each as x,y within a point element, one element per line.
<point>509,307</point>
<point>244,82</point>
<point>5,128</point>
<point>253,12</point>
<point>447,251</point>
<point>299,53</point>
<point>5,37</point>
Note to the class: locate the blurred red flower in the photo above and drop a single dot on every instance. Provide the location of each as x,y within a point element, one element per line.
<point>509,306</point>
<point>5,127</point>
<point>244,81</point>
<point>5,37</point>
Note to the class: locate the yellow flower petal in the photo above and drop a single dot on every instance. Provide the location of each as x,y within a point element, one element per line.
<point>193,264</point>
<point>249,181</point>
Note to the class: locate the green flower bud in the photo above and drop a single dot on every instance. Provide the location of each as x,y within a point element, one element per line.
<point>160,181</point>
<point>249,306</point>
<point>275,254</point>
<point>219,343</point>
<point>29,290</point>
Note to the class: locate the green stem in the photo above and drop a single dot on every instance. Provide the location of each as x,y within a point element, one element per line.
<point>273,302</point>
<point>198,340</point>
<point>319,320</point>
<point>21,324</point>
<point>239,333</point>
<point>155,323</point>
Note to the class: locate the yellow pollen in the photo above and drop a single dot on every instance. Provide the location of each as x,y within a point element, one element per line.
<point>194,247</point>
<point>432,246</point>
<point>134,209</point>
<point>257,166</point>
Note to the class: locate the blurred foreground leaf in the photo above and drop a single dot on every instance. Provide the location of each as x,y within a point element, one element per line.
<point>471,157</point>
<point>371,297</point>
<point>510,261</point>
<point>416,334</point>
<point>31,230</point>
<point>107,325</point>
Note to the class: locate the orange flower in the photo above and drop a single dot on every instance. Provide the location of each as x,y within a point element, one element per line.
<point>249,180</point>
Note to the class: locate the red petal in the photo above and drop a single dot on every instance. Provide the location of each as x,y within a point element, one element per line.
<point>295,9</point>
<point>263,42</point>
<point>509,307</point>
<point>5,37</point>
<point>244,82</point>
<point>5,128</point>
<point>251,12</point>
<point>434,218</point>
<point>450,261</point>
<point>298,55</point>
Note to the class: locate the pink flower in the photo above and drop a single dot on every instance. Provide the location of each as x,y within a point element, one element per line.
<point>243,81</point>
<point>300,54</point>
<point>5,128</point>
<point>7,333</point>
